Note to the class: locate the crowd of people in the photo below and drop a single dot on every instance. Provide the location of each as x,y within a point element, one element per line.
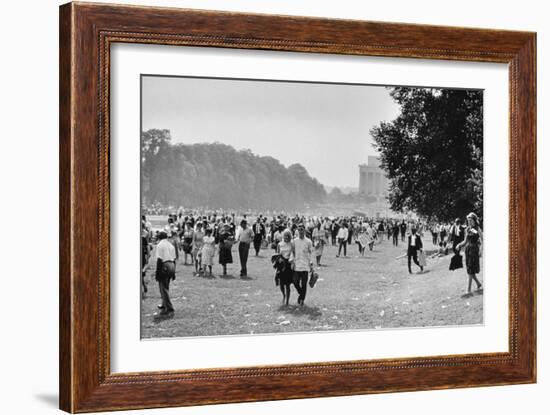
<point>297,243</point>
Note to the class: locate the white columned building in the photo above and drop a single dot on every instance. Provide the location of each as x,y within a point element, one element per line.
<point>372,179</point>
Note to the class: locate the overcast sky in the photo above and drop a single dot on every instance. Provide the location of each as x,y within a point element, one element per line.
<point>324,127</point>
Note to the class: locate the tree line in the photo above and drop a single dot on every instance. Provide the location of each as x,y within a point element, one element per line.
<point>432,154</point>
<point>216,175</point>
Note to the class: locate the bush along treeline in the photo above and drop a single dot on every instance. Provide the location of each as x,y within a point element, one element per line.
<point>216,175</point>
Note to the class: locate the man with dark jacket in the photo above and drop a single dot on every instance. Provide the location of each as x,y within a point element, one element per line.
<point>259,234</point>
<point>456,233</point>
<point>335,227</point>
<point>403,229</point>
<point>415,244</point>
<point>395,233</point>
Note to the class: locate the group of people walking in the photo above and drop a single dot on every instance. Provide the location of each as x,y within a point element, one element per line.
<point>295,241</point>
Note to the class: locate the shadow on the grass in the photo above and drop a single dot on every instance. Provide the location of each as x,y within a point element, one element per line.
<point>208,276</point>
<point>228,277</point>
<point>246,278</point>
<point>305,310</point>
<point>159,318</point>
<point>473,294</point>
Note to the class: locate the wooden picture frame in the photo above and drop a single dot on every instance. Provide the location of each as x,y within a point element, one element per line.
<point>86,33</point>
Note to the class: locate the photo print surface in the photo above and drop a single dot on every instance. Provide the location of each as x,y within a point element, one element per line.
<point>280,206</point>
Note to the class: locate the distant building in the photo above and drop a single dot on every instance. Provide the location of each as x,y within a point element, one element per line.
<point>372,179</point>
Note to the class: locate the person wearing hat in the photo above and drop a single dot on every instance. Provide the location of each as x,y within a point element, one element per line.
<point>472,250</point>
<point>166,271</point>
<point>414,245</point>
<point>245,235</point>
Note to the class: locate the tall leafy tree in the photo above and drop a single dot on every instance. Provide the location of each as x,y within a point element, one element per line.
<point>433,152</point>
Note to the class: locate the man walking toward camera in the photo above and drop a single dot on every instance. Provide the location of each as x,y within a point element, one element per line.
<point>403,229</point>
<point>415,244</point>
<point>244,237</point>
<point>166,271</point>
<point>395,233</point>
<point>302,249</point>
<point>259,234</point>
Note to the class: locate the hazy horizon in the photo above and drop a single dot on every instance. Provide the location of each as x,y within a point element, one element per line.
<point>324,127</point>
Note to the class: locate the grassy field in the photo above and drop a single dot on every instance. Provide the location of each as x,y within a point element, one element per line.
<point>371,292</point>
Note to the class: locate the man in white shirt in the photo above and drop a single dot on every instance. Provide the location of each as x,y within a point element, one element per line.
<point>342,237</point>
<point>245,235</point>
<point>166,271</point>
<point>302,249</point>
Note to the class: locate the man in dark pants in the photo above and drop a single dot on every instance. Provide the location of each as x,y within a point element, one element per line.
<point>302,249</point>
<point>259,234</point>
<point>415,243</point>
<point>403,229</point>
<point>334,231</point>
<point>166,271</point>
<point>244,237</point>
<point>395,233</point>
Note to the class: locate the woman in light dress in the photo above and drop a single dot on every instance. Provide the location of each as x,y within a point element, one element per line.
<point>208,251</point>
<point>362,240</point>
<point>371,236</point>
<point>196,251</point>
<point>319,240</point>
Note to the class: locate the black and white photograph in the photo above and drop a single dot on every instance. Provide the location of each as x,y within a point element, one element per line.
<point>274,206</point>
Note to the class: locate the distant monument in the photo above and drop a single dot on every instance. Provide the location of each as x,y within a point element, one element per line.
<point>372,179</point>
